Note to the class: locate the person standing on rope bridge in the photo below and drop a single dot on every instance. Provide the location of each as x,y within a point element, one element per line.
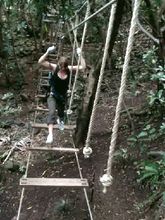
<point>58,88</point>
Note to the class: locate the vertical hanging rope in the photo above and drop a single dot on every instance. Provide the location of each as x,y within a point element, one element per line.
<point>82,44</point>
<point>73,51</point>
<point>109,31</point>
<point>107,178</point>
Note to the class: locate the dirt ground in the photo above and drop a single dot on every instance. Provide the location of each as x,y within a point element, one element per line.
<point>123,198</point>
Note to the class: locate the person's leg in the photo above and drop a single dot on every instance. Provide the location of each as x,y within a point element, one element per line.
<point>51,118</point>
<point>60,109</point>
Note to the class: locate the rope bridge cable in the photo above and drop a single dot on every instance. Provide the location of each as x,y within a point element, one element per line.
<point>109,32</point>
<point>80,174</point>
<point>26,171</point>
<point>29,155</point>
<point>106,179</point>
<point>91,16</point>
<point>78,10</point>
<point>77,71</point>
<point>73,52</point>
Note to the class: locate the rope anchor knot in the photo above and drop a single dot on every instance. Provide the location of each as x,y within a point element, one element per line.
<point>87,152</point>
<point>106,181</point>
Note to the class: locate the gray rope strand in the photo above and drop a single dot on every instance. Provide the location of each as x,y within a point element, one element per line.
<point>27,167</point>
<point>109,31</point>
<point>94,14</point>
<point>123,84</point>
<point>73,52</point>
<point>82,44</point>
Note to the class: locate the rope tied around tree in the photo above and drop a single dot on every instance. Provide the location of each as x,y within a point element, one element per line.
<point>87,149</point>
<point>106,176</point>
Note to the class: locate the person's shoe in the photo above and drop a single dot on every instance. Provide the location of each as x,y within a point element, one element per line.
<point>49,139</point>
<point>60,124</point>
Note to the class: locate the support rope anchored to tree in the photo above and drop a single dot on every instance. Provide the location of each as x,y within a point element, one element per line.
<point>106,179</point>
<point>87,150</point>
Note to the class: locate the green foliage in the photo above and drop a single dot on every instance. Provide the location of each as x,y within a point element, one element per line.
<point>121,154</point>
<point>146,137</point>
<point>151,173</point>
<point>9,106</point>
<point>158,96</point>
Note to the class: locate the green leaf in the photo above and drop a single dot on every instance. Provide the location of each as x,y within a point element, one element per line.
<point>151,168</point>
<point>145,176</point>
<point>163,197</point>
<point>132,139</point>
<point>142,134</point>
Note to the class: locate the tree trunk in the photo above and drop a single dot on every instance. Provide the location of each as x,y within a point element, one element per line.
<point>1,32</point>
<point>89,96</point>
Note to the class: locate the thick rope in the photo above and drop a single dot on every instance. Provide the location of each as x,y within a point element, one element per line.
<point>82,44</point>
<point>26,171</point>
<point>81,176</point>
<point>77,11</point>
<point>91,16</point>
<point>109,31</point>
<point>60,37</point>
<point>73,51</point>
<point>123,85</point>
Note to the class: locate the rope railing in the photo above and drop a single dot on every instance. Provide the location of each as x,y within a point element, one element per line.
<point>106,179</point>
<point>77,71</point>
<point>75,44</point>
<point>26,171</point>
<point>77,11</point>
<point>87,150</point>
<point>91,16</point>
<point>81,176</point>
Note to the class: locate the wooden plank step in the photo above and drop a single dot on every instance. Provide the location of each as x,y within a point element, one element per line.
<point>49,21</point>
<point>62,149</point>
<point>64,182</point>
<point>44,78</point>
<point>44,84</point>
<point>40,96</point>
<point>39,125</point>
<point>41,109</point>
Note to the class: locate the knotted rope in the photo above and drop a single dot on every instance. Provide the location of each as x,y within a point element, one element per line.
<point>107,177</point>
<point>109,31</point>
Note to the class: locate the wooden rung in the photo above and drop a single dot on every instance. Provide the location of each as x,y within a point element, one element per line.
<point>51,15</point>
<point>45,77</point>
<point>44,71</point>
<point>41,109</point>
<point>62,149</point>
<point>49,21</point>
<point>39,125</point>
<point>44,84</point>
<point>40,96</point>
<point>70,182</point>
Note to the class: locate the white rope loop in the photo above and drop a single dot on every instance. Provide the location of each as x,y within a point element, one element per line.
<point>123,86</point>
<point>87,151</point>
<point>79,58</point>
<point>106,181</point>
<point>109,31</point>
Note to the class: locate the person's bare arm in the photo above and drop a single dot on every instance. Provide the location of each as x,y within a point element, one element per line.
<point>82,65</point>
<point>42,61</point>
